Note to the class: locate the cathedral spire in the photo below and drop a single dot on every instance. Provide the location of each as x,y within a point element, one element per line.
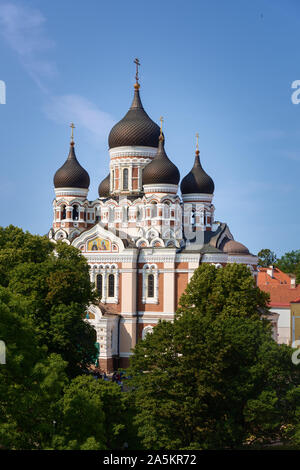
<point>72,133</point>
<point>197,181</point>
<point>161,137</point>
<point>71,174</point>
<point>161,170</point>
<point>136,128</point>
<point>137,63</point>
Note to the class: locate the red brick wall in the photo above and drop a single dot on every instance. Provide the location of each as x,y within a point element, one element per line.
<point>123,362</point>
<point>107,365</point>
<point>181,281</point>
<point>152,307</point>
<point>142,326</point>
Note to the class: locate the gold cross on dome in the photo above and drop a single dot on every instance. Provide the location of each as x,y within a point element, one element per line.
<point>137,63</point>
<point>161,124</point>
<point>197,144</point>
<point>72,134</point>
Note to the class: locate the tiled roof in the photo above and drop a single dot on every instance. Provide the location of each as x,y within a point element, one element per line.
<point>278,286</point>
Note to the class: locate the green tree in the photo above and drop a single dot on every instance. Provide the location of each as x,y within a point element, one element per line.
<point>214,377</point>
<point>52,281</point>
<point>94,414</point>
<point>40,408</point>
<point>266,258</point>
<point>289,262</point>
<point>44,292</point>
<point>31,381</point>
<point>82,417</point>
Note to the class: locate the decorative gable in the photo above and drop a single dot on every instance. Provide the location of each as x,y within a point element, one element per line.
<point>98,239</point>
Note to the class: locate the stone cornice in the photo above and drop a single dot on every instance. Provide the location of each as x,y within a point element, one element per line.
<point>60,192</point>
<point>197,197</point>
<point>160,188</point>
<point>132,151</point>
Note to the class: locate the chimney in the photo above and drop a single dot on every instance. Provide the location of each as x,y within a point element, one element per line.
<point>293,283</point>
<point>270,271</point>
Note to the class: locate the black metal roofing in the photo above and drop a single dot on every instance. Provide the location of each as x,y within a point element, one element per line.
<point>104,187</point>
<point>71,174</point>
<point>136,127</point>
<point>197,180</point>
<point>161,170</point>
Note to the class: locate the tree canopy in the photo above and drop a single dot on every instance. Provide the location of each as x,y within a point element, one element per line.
<point>214,378</point>
<point>52,283</point>
<point>46,402</point>
<point>289,262</point>
<point>266,258</point>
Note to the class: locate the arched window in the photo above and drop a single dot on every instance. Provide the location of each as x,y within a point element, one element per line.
<point>99,284</point>
<point>167,211</point>
<point>75,213</point>
<point>150,287</point>
<point>146,331</point>
<point>111,285</point>
<point>193,218</point>
<point>97,216</point>
<point>111,214</point>
<point>125,178</point>
<point>154,209</point>
<point>125,214</point>
<point>63,212</point>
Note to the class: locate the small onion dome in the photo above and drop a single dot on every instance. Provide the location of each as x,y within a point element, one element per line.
<point>161,170</point>
<point>104,187</point>
<point>231,247</point>
<point>71,174</point>
<point>136,127</point>
<point>197,181</point>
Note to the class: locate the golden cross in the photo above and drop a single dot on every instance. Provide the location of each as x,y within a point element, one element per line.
<point>197,145</point>
<point>72,135</point>
<point>161,123</point>
<point>137,63</point>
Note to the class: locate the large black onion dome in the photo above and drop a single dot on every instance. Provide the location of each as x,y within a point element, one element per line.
<point>197,181</point>
<point>161,170</point>
<point>71,174</point>
<point>104,187</point>
<point>136,127</point>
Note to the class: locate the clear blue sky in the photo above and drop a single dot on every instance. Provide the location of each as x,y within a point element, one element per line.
<point>223,69</point>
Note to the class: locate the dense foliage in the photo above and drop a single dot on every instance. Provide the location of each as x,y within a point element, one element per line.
<point>45,401</point>
<point>215,378</point>
<point>52,284</point>
<point>266,258</point>
<point>290,262</point>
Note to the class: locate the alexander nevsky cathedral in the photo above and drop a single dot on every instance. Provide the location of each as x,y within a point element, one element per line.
<point>142,240</point>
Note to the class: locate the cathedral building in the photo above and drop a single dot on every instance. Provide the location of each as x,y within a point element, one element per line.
<point>142,240</point>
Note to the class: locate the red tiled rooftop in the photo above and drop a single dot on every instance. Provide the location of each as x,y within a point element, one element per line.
<point>279,287</point>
